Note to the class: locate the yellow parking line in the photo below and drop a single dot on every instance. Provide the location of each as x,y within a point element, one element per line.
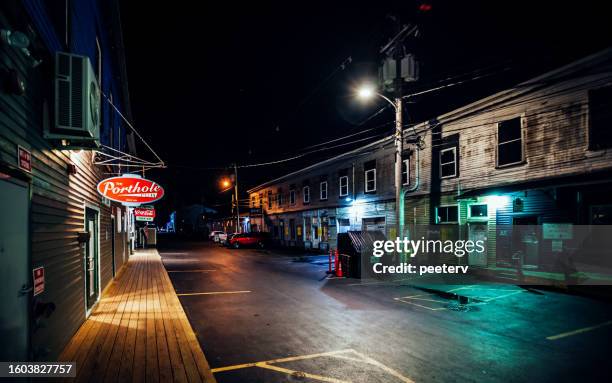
<point>383,367</point>
<point>214,293</point>
<point>579,331</point>
<point>301,373</point>
<point>280,360</point>
<point>271,365</point>
<point>191,271</point>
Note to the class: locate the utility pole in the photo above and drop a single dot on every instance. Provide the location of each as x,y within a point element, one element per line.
<point>236,198</point>
<point>398,54</point>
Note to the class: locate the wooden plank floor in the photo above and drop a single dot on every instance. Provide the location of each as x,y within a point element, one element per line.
<point>138,332</point>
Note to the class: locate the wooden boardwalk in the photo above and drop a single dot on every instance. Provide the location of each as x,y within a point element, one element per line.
<point>138,332</point>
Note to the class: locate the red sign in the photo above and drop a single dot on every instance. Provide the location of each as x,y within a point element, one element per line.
<point>144,212</point>
<point>39,280</point>
<point>130,189</point>
<point>24,158</point>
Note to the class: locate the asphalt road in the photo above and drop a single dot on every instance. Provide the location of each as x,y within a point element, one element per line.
<point>264,316</point>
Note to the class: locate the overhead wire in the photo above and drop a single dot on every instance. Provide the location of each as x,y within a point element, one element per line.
<point>161,162</point>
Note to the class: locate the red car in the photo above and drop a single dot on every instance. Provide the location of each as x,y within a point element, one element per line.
<point>260,240</point>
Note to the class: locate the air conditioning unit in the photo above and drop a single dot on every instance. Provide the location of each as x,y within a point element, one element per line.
<point>77,103</point>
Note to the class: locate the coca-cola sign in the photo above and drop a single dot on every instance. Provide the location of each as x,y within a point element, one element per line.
<point>144,213</point>
<point>130,190</point>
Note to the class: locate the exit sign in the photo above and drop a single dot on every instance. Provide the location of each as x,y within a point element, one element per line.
<point>24,159</point>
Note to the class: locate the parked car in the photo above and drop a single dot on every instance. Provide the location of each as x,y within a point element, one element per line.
<point>223,236</point>
<point>214,235</point>
<point>256,239</point>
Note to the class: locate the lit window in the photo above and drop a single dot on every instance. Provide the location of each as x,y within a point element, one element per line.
<point>306,195</point>
<point>323,190</point>
<point>479,210</point>
<point>447,214</point>
<point>509,142</point>
<point>448,162</point>
<point>405,172</point>
<point>343,186</point>
<point>291,197</point>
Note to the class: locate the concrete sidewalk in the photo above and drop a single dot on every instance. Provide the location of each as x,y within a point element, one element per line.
<point>138,331</point>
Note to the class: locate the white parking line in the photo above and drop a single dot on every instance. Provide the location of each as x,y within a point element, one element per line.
<point>579,331</point>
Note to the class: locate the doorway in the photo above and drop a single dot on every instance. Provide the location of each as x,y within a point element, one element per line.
<point>14,269</point>
<point>477,232</point>
<point>112,230</point>
<point>92,258</point>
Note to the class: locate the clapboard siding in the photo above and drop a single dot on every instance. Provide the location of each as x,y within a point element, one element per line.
<point>555,131</point>
<point>58,200</point>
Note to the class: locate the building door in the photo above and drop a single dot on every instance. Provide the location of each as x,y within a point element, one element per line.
<point>14,270</point>
<point>477,232</point>
<point>525,243</point>
<point>92,273</point>
<point>112,230</point>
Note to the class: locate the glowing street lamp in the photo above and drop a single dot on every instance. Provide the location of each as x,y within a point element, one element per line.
<point>366,92</point>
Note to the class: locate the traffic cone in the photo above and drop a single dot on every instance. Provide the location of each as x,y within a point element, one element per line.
<point>339,273</point>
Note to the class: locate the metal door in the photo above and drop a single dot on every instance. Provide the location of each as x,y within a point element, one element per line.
<point>92,278</point>
<point>14,270</point>
<point>477,232</point>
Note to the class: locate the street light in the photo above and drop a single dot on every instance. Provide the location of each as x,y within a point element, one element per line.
<point>226,184</point>
<point>365,92</point>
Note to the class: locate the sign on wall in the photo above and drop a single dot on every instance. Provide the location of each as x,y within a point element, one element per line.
<point>130,190</point>
<point>146,214</point>
<point>38,276</point>
<point>24,159</point>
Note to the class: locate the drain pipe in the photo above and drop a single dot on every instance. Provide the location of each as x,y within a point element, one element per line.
<point>410,190</point>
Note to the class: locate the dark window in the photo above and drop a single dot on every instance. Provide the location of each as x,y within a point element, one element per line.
<point>291,197</point>
<point>600,118</point>
<point>323,190</point>
<point>370,176</point>
<point>448,162</point>
<point>343,181</point>
<point>509,142</point>
<point>269,199</point>
<point>478,211</point>
<point>405,171</point>
<point>447,214</point>
<point>306,195</point>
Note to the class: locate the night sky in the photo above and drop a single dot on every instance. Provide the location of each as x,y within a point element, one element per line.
<point>217,83</point>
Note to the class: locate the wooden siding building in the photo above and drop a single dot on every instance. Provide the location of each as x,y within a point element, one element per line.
<point>539,153</point>
<point>352,191</point>
<point>56,219</point>
<point>499,168</point>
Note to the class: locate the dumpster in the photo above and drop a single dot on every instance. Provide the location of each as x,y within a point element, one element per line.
<point>355,249</point>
